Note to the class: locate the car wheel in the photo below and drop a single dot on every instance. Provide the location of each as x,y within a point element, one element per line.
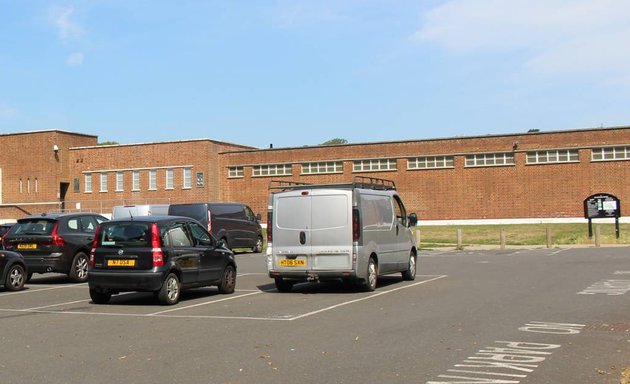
<point>410,273</point>
<point>372,276</point>
<point>228,280</point>
<point>79,269</point>
<point>15,278</point>
<point>169,293</point>
<point>100,297</point>
<point>259,245</point>
<point>283,285</point>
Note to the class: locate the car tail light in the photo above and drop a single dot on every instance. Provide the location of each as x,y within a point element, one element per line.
<point>209,221</point>
<point>156,246</point>
<point>57,240</point>
<point>97,234</point>
<point>356,225</point>
<point>269,226</point>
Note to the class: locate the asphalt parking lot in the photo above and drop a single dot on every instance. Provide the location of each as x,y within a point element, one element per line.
<point>512,316</point>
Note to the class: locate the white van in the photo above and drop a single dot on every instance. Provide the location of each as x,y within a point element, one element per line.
<point>121,211</point>
<point>353,232</point>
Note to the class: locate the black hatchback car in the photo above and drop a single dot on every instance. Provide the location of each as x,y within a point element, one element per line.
<point>159,254</point>
<point>57,242</point>
<point>12,270</point>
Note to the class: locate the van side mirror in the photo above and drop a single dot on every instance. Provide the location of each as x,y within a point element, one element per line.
<point>413,219</point>
<point>220,244</point>
<point>258,217</point>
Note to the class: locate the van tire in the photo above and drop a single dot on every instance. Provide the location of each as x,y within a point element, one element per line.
<point>259,245</point>
<point>412,266</point>
<point>100,297</point>
<point>372,276</point>
<point>228,280</point>
<point>79,268</point>
<point>169,293</point>
<point>283,285</point>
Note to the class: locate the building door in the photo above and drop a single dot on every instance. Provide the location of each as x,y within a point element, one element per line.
<point>63,189</point>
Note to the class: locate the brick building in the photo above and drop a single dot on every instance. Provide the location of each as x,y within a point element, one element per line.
<point>534,175</point>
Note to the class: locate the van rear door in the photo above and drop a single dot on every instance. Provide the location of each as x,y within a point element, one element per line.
<point>313,230</point>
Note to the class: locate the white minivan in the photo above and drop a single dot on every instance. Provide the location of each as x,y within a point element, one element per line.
<point>351,232</point>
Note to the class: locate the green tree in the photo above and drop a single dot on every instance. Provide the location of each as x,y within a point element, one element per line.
<point>335,141</point>
<point>109,143</point>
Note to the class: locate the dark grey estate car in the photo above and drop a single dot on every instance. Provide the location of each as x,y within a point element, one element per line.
<point>159,254</point>
<point>56,242</point>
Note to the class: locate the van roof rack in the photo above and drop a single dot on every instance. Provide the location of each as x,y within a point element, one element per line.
<point>364,182</point>
<point>285,184</point>
<point>367,182</point>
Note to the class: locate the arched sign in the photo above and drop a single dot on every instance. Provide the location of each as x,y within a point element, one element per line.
<point>602,205</point>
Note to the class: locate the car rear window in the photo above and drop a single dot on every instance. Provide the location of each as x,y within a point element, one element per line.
<point>33,227</point>
<point>130,234</point>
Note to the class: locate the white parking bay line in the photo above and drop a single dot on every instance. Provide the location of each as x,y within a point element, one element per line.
<point>366,298</point>
<point>204,303</point>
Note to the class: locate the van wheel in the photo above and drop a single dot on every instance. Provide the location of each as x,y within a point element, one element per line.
<point>410,273</point>
<point>169,293</point>
<point>228,280</point>
<point>283,285</point>
<point>259,245</point>
<point>100,297</point>
<point>79,268</point>
<point>15,278</point>
<point>372,276</point>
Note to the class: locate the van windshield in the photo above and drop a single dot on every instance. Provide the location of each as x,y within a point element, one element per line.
<point>132,234</point>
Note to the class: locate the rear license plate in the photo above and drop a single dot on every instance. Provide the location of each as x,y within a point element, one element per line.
<point>292,263</point>
<point>121,263</point>
<point>27,246</point>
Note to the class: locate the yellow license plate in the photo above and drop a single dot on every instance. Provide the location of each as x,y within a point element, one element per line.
<point>292,263</point>
<point>27,246</point>
<point>121,263</point>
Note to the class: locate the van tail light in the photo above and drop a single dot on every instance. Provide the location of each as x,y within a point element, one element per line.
<point>269,227</point>
<point>57,240</point>
<point>97,234</point>
<point>209,221</point>
<point>156,246</point>
<point>356,225</point>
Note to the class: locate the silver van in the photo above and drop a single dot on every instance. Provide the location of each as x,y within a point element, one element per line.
<point>120,211</point>
<point>352,232</point>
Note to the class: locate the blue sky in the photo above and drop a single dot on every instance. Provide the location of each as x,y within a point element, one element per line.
<point>294,73</point>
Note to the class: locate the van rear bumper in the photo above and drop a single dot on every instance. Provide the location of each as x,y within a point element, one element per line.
<point>314,275</point>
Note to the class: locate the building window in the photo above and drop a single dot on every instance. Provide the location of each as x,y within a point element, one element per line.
<point>200,179</point>
<point>36,185</point>
<point>490,159</point>
<point>373,165</point>
<point>235,172</point>
<point>553,156</point>
<point>610,153</point>
<point>430,162</point>
<point>120,181</point>
<point>88,183</point>
<point>77,185</point>
<point>169,179</point>
<point>135,180</point>
<point>103,182</point>
<point>272,170</point>
<point>28,185</point>
<point>187,178</point>
<point>322,167</point>
<point>152,179</point>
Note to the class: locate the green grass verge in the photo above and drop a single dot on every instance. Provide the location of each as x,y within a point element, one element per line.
<point>521,234</point>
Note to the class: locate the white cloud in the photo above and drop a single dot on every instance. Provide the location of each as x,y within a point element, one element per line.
<point>7,112</point>
<point>559,36</point>
<point>75,59</point>
<point>62,18</point>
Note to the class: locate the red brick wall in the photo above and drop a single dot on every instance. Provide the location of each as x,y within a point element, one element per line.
<point>500,192</point>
